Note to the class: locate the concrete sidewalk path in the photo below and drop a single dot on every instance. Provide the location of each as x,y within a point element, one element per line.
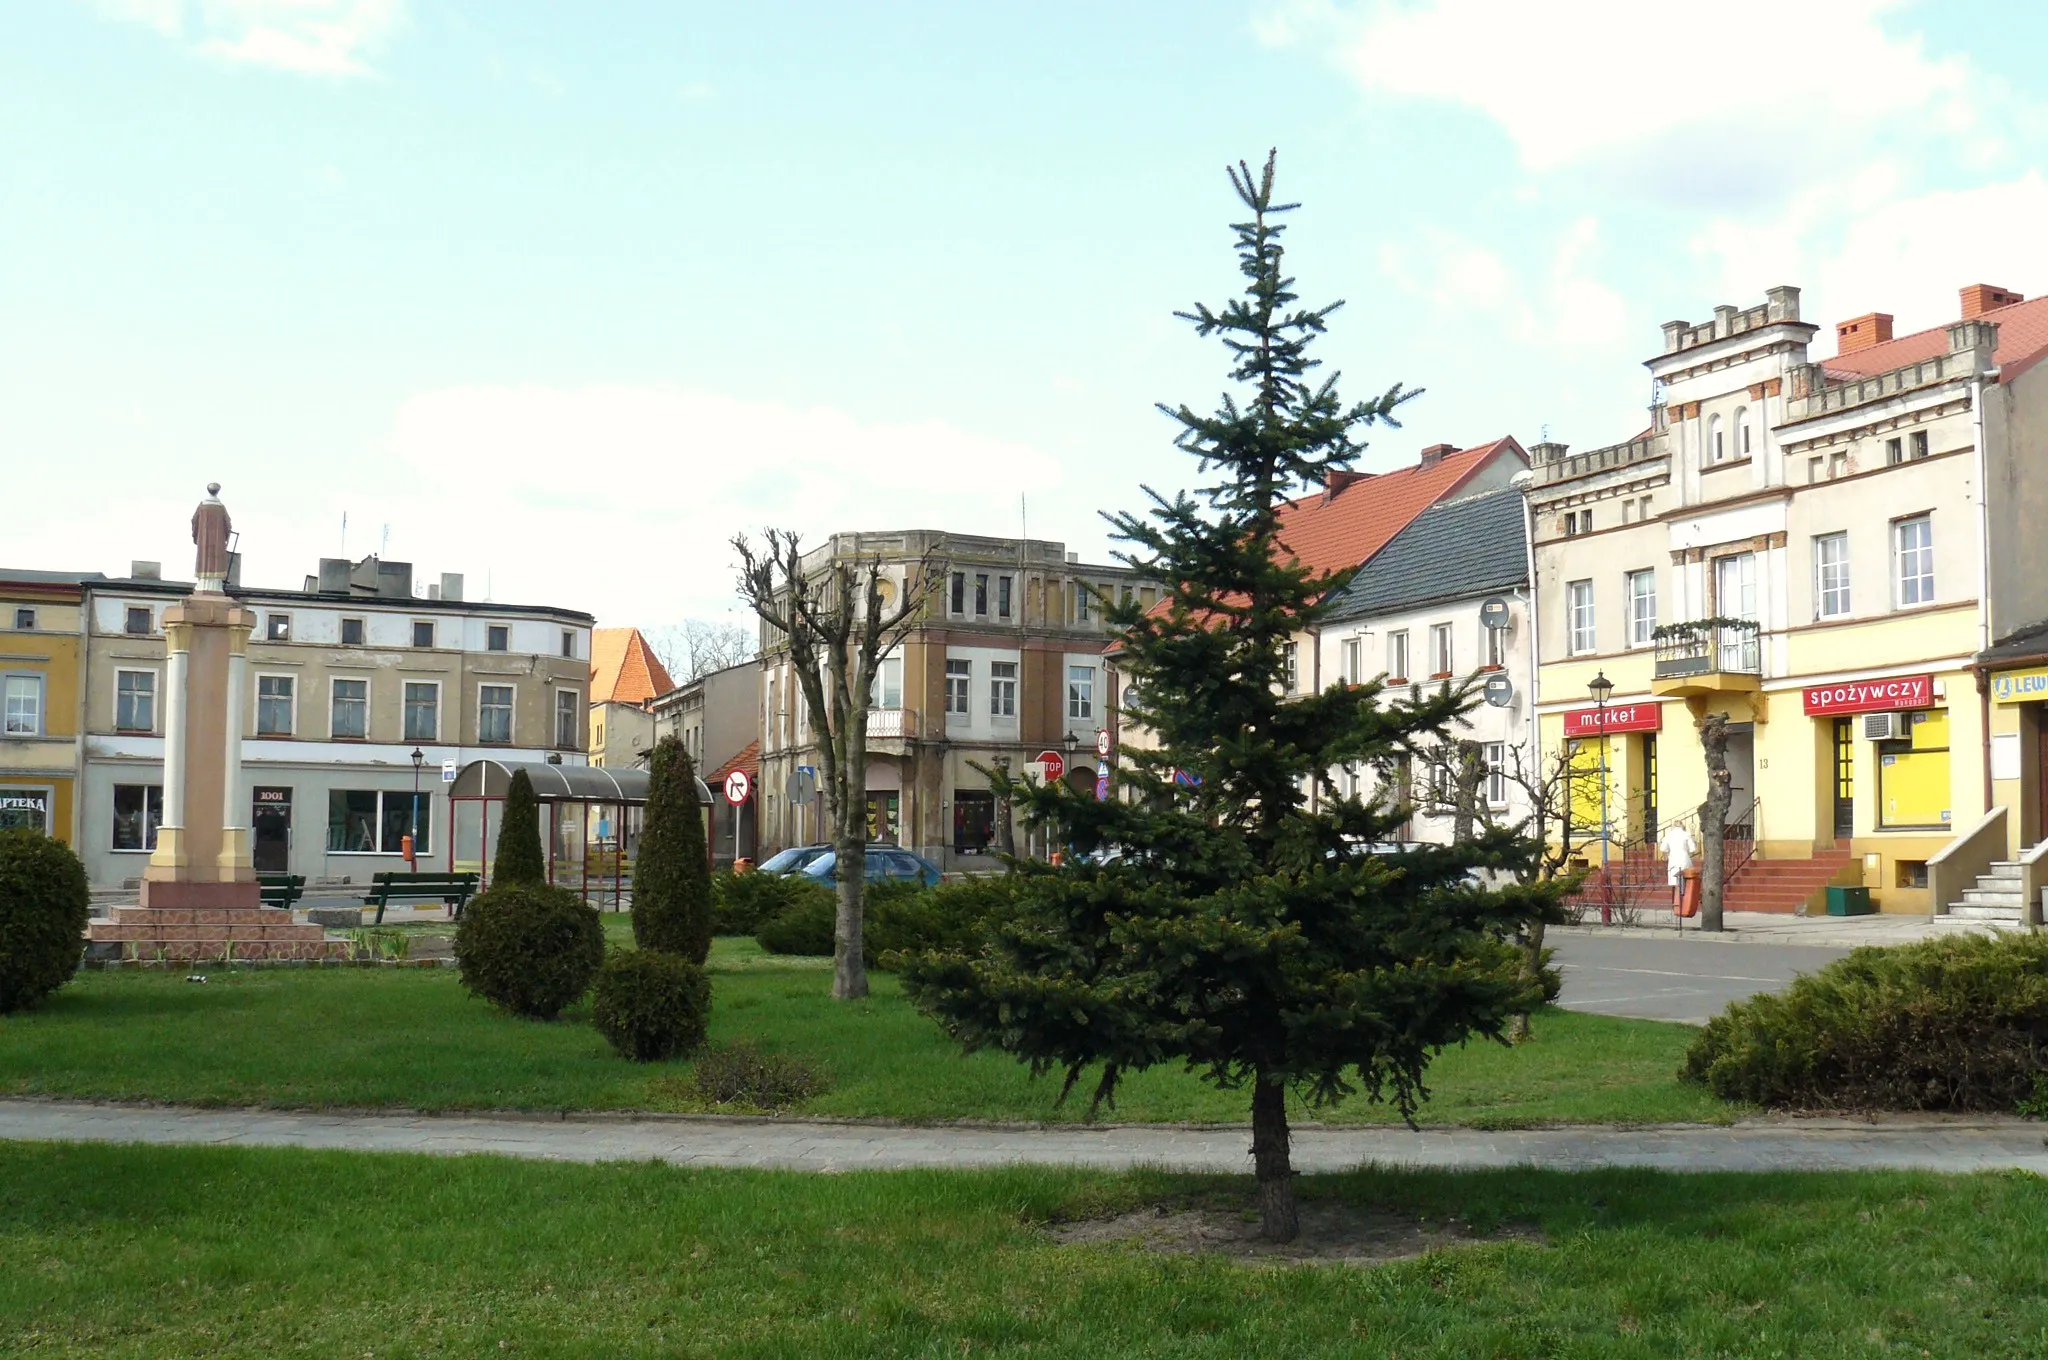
<point>1834,1145</point>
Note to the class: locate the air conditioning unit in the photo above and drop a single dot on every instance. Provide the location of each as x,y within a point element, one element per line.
<point>1885,727</point>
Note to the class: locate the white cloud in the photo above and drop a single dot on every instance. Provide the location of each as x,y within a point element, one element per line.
<point>623,499</point>
<point>1466,283</point>
<point>315,37</point>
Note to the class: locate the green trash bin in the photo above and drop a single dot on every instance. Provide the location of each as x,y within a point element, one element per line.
<point>1848,901</point>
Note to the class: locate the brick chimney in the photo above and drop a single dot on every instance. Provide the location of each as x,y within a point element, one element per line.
<point>1980,298</point>
<point>1335,481</point>
<point>1434,454</point>
<point>1861,332</point>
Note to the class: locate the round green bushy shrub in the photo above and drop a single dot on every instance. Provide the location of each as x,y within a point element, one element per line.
<point>1951,1024</point>
<point>529,948</point>
<point>651,1005</point>
<point>44,908</point>
<point>743,1075</point>
<point>949,917</point>
<point>803,924</point>
<point>744,902</point>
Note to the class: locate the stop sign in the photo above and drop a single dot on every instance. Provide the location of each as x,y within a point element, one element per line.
<point>1055,765</point>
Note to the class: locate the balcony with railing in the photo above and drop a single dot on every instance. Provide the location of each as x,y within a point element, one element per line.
<point>890,729</point>
<point>1708,656</point>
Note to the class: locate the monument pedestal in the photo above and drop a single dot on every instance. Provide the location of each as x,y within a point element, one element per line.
<point>208,934</point>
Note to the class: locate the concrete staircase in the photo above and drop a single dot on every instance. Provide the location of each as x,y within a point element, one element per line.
<point>1996,899</point>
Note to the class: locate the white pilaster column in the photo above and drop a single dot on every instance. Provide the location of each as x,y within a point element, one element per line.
<point>234,811</point>
<point>178,663</point>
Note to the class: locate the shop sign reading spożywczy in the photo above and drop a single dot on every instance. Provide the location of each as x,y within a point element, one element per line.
<point>1870,696</point>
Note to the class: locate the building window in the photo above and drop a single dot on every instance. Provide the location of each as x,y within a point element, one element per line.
<point>1917,447</point>
<point>23,706</point>
<point>889,683</point>
<point>1894,452</point>
<point>1003,586</point>
<point>569,643</point>
<point>1742,432</point>
<point>1831,576</point>
<point>498,638</point>
<point>1293,660</point>
<point>1496,642</point>
<point>1496,754</point>
<point>138,618</point>
<point>376,821</point>
<point>494,714</point>
<point>1579,617</point>
<point>1080,693</point>
<point>275,700</point>
<point>959,676</point>
<point>1002,689</point>
<point>351,632</point>
<point>349,710</point>
<point>422,632</point>
<point>422,710</point>
<point>277,627</point>
<point>956,602</point>
<point>568,713</point>
<point>1353,647</point>
<point>1642,607</point>
<point>1080,603</point>
<point>25,809</point>
<point>138,811</point>
<point>25,620</point>
<point>1439,651</point>
<point>1397,656</point>
<point>135,701</point>
<point>1717,441</point>
<point>981,594</point>
<point>1913,550</point>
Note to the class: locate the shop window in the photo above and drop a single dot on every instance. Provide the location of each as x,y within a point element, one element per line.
<point>884,816</point>
<point>1583,772</point>
<point>375,821</point>
<point>138,812</point>
<point>1913,774</point>
<point>974,821</point>
<point>25,810</point>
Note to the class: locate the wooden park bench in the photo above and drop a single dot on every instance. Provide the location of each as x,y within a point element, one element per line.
<point>282,890</point>
<point>453,889</point>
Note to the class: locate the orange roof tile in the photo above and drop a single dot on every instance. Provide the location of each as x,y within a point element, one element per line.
<point>624,669</point>
<point>1338,528</point>
<point>2022,342</point>
<point>748,760</point>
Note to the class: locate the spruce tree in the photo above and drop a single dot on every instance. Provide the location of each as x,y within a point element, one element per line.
<point>1248,930</point>
<point>671,875</point>
<point>520,859</point>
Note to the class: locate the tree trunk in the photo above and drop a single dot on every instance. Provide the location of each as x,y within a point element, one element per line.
<point>1532,969</point>
<point>850,868</point>
<point>1714,819</point>
<point>1470,774</point>
<point>1274,1168</point>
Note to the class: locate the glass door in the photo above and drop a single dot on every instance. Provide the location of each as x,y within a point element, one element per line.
<point>1735,598</point>
<point>1845,778</point>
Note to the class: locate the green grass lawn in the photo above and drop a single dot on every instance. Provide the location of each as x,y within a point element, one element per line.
<point>414,1038</point>
<point>130,1251</point>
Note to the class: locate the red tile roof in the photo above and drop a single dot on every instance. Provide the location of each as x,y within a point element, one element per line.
<point>1338,528</point>
<point>748,760</point>
<point>2022,342</point>
<point>624,669</point>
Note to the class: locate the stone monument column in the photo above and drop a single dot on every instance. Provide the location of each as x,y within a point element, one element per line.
<point>170,850</point>
<point>235,862</point>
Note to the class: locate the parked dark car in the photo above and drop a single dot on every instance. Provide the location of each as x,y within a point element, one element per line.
<point>793,859</point>
<point>891,862</point>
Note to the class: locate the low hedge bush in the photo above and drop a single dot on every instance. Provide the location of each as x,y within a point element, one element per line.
<point>896,912</point>
<point>44,907</point>
<point>651,1005</point>
<point>803,924</point>
<point>1948,1024</point>
<point>742,903</point>
<point>950,916</point>
<point>529,948</point>
<point>740,1074</point>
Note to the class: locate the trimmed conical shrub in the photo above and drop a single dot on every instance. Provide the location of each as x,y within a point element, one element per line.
<point>519,854</point>
<point>672,907</point>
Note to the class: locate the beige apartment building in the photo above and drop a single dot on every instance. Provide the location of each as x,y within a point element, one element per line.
<point>41,702</point>
<point>361,695</point>
<point>1005,665</point>
<point>1805,546</point>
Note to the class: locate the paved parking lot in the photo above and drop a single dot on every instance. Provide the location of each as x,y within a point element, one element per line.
<point>1676,979</point>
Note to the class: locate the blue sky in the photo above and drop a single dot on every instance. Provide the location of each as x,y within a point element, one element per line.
<point>563,295</point>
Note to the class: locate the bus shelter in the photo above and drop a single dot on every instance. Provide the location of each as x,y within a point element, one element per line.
<point>591,817</point>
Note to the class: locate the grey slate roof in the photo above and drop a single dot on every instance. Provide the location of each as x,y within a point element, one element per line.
<point>1451,551</point>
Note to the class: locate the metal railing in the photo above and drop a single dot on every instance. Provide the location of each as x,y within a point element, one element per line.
<point>1730,645</point>
<point>1635,879</point>
<point>892,724</point>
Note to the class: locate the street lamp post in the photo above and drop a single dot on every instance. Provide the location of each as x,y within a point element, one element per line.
<point>412,840</point>
<point>1600,687</point>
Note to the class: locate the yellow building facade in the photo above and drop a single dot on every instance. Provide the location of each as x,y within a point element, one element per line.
<point>1804,548</point>
<point>41,701</point>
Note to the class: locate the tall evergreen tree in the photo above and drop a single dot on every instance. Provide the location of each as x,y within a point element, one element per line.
<point>520,859</point>
<point>1248,930</point>
<point>672,874</point>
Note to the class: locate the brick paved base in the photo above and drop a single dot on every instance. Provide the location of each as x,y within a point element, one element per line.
<point>209,933</point>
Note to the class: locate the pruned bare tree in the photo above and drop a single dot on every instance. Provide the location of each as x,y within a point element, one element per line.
<point>837,622</point>
<point>1714,819</point>
<point>694,648</point>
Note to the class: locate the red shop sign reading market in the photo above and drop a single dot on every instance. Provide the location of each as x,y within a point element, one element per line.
<point>1647,716</point>
<point>1870,696</point>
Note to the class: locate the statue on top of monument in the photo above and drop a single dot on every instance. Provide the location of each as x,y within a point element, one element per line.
<point>210,527</point>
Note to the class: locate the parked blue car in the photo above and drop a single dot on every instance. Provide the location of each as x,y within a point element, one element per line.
<point>793,859</point>
<point>885,863</point>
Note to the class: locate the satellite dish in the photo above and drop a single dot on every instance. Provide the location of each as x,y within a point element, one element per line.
<point>1494,613</point>
<point>1499,690</point>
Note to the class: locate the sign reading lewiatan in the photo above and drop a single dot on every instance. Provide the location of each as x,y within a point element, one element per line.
<point>1591,722</point>
<point>2020,687</point>
<point>1870,696</point>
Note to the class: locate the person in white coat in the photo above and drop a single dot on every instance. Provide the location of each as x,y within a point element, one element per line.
<point>1680,850</point>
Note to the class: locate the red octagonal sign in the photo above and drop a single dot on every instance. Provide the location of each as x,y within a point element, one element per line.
<point>1055,765</point>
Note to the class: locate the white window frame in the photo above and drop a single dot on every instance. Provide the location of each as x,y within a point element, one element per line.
<point>575,712</point>
<point>511,713</point>
<point>1717,441</point>
<point>1923,589</point>
<point>1442,653</point>
<point>1080,693</point>
<point>112,815</point>
<point>1822,589</point>
<point>1353,651</point>
<point>1293,672</point>
<point>24,619</point>
<point>407,682</point>
<point>1002,692</point>
<point>1495,753</point>
<point>1742,432</point>
<point>1397,650</point>
<point>1641,626</point>
<point>365,682</point>
<point>1582,634</point>
<point>959,694</point>
<point>292,722</point>
<point>41,686</point>
<point>884,687</point>
<point>156,692</point>
<point>1493,645</point>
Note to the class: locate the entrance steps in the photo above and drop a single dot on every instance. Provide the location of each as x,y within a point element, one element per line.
<point>208,934</point>
<point>1998,896</point>
<point>1784,886</point>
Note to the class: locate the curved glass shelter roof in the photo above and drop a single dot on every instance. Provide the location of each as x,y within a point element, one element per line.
<point>560,783</point>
